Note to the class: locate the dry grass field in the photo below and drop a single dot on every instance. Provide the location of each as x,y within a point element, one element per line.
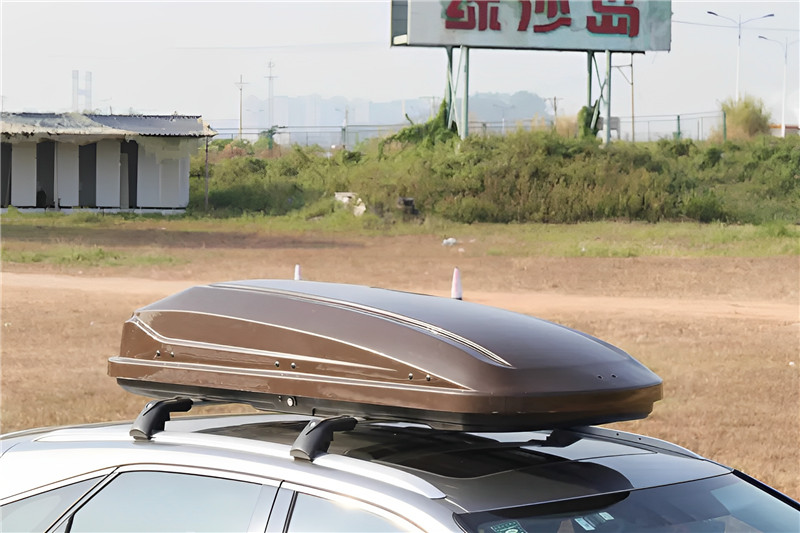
<point>723,332</point>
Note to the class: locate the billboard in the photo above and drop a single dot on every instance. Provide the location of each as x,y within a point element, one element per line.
<point>582,25</point>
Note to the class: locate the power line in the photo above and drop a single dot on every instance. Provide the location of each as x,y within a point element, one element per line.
<point>689,23</point>
<point>286,46</point>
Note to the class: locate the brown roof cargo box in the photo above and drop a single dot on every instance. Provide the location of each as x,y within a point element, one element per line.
<point>331,349</point>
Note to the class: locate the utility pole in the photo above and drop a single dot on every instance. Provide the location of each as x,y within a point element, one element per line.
<point>739,25</point>
<point>785,46</point>
<point>503,108</point>
<point>633,116</point>
<point>630,82</point>
<point>433,104</point>
<point>240,84</point>
<point>344,126</point>
<point>555,111</point>
<point>206,195</point>
<point>270,96</point>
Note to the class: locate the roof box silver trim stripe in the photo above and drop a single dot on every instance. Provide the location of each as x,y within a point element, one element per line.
<point>376,312</point>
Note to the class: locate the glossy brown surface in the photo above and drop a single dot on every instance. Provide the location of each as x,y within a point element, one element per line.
<point>331,348</point>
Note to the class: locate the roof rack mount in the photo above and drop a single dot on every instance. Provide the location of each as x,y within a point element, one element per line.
<point>155,414</point>
<point>314,440</point>
<point>316,437</point>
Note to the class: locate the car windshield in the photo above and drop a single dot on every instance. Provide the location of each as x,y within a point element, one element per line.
<point>720,504</point>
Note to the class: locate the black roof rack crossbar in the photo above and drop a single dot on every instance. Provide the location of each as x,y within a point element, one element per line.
<point>316,437</point>
<point>155,414</point>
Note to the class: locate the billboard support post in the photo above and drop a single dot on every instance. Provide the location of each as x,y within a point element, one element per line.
<point>463,130</point>
<point>456,78</point>
<point>607,121</point>
<point>633,111</point>
<point>637,26</point>
<point>448,95</point>
<point>589,59</point>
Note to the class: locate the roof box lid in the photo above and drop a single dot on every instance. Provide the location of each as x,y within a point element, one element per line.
<point>325,348</point>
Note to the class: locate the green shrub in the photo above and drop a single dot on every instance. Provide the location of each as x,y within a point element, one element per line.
<point>745,118</point>
<point>219,144</point>
<point>522,177</point>
<point>585,116</point>
<point>710,157</point>
<point>704,208</point>
<point>434,131</point>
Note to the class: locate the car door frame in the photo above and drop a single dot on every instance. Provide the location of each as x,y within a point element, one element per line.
<point>258,521</point>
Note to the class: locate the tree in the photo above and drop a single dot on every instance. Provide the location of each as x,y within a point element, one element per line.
<point>587,123</point>
<point>745,118</point>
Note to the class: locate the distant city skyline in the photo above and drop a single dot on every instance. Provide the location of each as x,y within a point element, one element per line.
<point>314,110</point>
<point>312,119</point>
<point>187,57</point>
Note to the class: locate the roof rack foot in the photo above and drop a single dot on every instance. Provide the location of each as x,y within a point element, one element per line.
<point>316,437</point>
<point>155,414</point>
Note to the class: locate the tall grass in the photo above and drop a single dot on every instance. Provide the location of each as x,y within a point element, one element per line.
<point>522,177</point>
<point>51,238</point>
<point>87,256</point>
<point>745,118</point>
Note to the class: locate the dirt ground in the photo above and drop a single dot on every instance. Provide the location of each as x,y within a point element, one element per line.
<point>723,333</point>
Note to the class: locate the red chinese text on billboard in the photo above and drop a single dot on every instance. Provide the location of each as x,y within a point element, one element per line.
<point>627,18</point>
<point>557,12</point>
<point>460,15</point>
<point>612,17</point>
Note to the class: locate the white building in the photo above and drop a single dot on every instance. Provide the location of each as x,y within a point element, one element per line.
<point>105,162</point>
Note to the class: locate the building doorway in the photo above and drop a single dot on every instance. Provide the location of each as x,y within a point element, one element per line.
<point>5,175</point>
<point>45,174</point>
<point>87,175</point>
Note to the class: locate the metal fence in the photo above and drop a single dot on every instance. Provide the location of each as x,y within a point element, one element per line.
<point>696,126</point>
<point>333,137</point>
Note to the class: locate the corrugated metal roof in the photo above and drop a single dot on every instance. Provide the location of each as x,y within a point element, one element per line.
<point>28,124</point>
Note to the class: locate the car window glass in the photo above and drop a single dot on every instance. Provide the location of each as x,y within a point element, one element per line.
<point>719,504</point>
<point>164,501</point>
<point>36,513</point>
<point>312,514</point>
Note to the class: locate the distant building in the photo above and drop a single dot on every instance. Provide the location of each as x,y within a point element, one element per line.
<point>775,130</point>
<point>107,162</point>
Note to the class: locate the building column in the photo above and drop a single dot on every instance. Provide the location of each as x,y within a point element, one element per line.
<point>23,174</point>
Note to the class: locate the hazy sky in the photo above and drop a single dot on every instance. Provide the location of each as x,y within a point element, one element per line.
<point>158,57</point>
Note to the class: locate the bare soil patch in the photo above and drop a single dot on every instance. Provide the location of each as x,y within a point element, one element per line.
<point>722,332</point>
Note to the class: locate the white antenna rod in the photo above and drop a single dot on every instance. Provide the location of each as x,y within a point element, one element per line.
<point>455,287</point>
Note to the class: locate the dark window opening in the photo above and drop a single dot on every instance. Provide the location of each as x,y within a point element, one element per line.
<point>5,175</point>
<point>87,175</point>
<point>45,174</point>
